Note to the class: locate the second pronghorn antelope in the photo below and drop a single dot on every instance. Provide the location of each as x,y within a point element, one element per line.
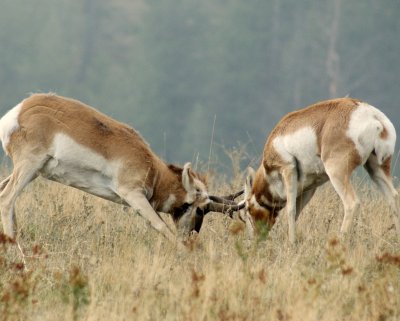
<point>71,143</point>
<point>308,147</point>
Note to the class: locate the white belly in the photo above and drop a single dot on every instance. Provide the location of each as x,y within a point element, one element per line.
<point>75,165</point>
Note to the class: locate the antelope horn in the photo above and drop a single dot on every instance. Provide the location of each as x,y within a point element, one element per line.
<point>229,199</point>
<point>221,200</point>
<point>227,208</point>
<point>232,197</point>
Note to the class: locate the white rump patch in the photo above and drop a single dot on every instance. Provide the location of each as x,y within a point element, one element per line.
<point>8,125</point>
<point>365,127</point>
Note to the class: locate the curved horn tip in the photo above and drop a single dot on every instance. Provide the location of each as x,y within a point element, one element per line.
<point>224,208</point>
<point>234,195</point>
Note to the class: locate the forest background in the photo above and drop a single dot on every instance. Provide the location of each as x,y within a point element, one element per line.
<point>200,77</point>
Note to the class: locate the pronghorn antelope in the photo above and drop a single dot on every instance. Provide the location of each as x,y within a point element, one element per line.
<point>308,147</point>
<point>71,143</point>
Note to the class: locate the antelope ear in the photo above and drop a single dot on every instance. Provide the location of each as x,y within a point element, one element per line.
<point>249,182</point>
<point>188,177</point>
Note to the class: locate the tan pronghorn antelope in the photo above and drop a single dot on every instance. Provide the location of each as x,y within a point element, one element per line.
<point>71,143</point>
<point>308,147</point>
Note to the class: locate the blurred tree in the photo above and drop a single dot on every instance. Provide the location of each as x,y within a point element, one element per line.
<point>170,68</point>
<point>173,40</point>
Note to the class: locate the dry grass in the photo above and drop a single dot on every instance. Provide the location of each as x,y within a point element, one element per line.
<point>94,260</point>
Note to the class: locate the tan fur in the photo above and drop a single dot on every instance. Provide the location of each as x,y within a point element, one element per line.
<point>142,179</point>
<point>43,115</point>
<point>329,120</point>
<point>323,117</point>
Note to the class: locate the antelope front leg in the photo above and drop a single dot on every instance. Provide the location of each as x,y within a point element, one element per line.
<point>137,200</point>
<point>289,175</point>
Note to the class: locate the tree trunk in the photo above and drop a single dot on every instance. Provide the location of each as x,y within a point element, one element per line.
<point>332,60</point>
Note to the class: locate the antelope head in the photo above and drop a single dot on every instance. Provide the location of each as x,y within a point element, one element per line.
<point>259,212</point>
<point>189,216</point>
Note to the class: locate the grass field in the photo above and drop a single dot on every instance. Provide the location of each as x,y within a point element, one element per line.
<point>94,260</point>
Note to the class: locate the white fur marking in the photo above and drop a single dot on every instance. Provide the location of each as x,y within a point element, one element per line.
<point>302,145</point>
<point>75,165</point>
<point>365,126</point>
<point>254,202</point>
<point>168,203</point>
<point>266,201</point>
<point>9,124</point>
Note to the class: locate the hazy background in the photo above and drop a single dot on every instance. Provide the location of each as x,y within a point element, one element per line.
<point>175,68</point>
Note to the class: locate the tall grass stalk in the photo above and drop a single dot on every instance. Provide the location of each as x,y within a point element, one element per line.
<point>95,260</point>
